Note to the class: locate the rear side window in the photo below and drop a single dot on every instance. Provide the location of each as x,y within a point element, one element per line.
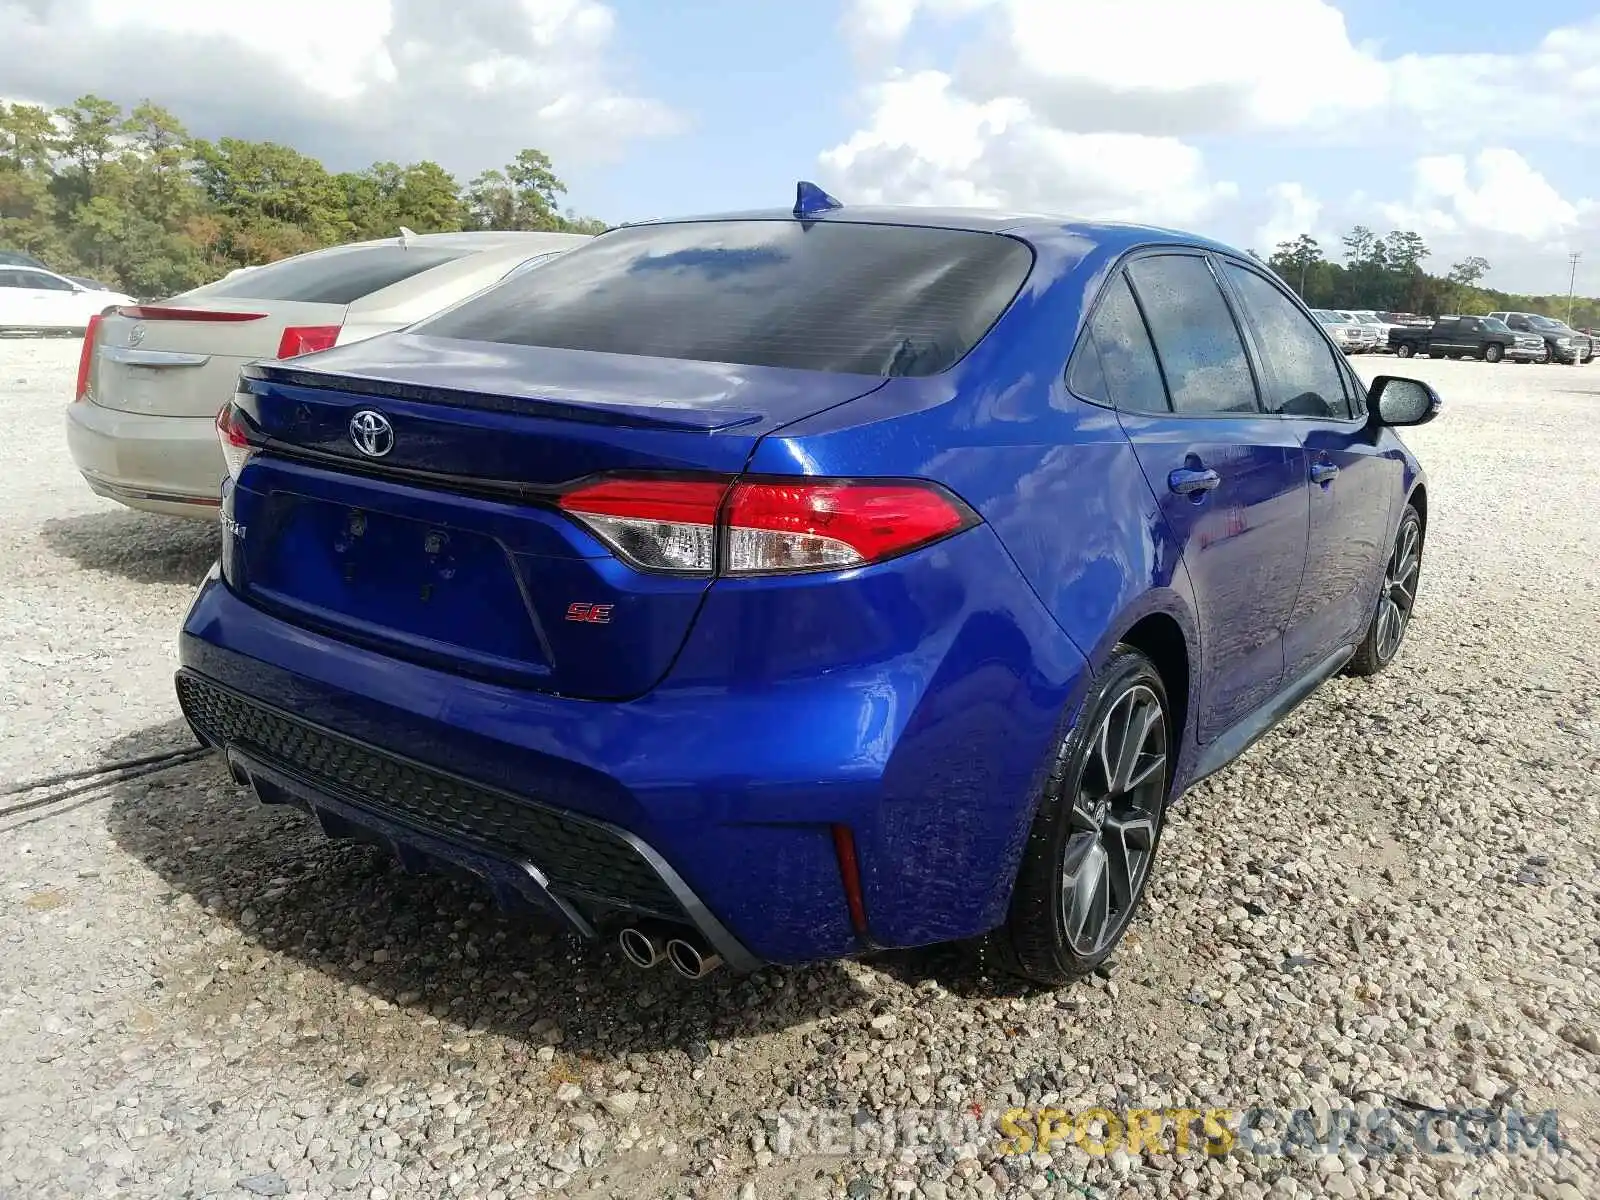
<point>1303,376</point>
<point>37,281</point>
<point>340,276</point>
<point>824,296</point>
<point>1114,362</point>
<point>1195,337</point>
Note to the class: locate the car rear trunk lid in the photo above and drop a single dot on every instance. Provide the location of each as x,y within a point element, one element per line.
<point>181,357</point>
<point>448,547</point>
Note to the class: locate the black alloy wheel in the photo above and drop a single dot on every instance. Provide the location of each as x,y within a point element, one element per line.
<point>1099,822</point>
<point>1396,599</point>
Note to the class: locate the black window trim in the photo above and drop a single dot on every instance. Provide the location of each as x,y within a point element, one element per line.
<point>1118,269</point>
<point>1090,311</point>
<point>1341,362</point>
<point>1245,331</point>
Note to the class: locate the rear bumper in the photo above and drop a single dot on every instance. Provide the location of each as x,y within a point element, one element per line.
<point>720,799</point>
<point>168,465</point>
<point>430,820</point>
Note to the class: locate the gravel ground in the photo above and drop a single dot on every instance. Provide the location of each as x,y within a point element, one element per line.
<point>1389,903</point>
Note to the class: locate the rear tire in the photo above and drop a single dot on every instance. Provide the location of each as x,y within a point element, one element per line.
<point>1392,615</point>
<point>1405,350</point>
<point>1095,835</point>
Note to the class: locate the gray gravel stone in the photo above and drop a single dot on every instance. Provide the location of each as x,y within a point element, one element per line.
<point>1389,900</point>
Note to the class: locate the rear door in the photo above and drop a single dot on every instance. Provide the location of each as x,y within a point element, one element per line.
<point>1230,479</point>
<point>39,300</point>
<point>1351,486</point>
<point>16,299</point>
<point>180,358</point>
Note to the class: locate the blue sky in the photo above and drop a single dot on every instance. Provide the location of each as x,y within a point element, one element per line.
<point>1472,122</point>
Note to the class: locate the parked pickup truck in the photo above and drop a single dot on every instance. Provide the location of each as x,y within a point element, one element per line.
<point>1562,343</point>
<point>1465,337</point>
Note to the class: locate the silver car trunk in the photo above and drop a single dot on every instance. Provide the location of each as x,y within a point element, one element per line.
<point>181,358</point>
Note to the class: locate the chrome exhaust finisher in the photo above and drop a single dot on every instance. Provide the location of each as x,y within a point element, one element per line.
<point>692,960</point>
<point>642,948</point>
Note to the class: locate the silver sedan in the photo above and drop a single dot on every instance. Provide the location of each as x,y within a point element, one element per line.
<point>152,377</point>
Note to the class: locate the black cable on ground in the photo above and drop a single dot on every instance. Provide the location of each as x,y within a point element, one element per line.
<point>133,769</point>
<point>33,785</point>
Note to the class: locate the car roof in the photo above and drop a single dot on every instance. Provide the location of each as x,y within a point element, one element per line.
<point>468,240</point>
<point>487,262</point>
<point>1106,235</point>
<point>478,252</point>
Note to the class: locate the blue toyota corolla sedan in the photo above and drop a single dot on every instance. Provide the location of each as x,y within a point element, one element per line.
<point>777,586</point>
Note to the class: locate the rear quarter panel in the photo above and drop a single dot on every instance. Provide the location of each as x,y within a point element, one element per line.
<point>1053,476</point>
<point>1054,479</point>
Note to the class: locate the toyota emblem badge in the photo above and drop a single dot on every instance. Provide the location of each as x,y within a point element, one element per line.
<point>371,433</point>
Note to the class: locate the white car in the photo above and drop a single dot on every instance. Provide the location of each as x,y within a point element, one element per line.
<point>33,300</point>
<point>152,377</point>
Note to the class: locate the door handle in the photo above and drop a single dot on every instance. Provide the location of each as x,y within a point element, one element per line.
<point>1189,481</point>
<point>1323,472</point>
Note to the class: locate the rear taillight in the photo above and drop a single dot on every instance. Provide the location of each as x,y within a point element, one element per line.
<point>764,526</point>
<point>306,339</point>
<point>805,525</point>
<point>658,524</point>
<point>236,447</point>
<point>157,312</point>
<point>86,357</point>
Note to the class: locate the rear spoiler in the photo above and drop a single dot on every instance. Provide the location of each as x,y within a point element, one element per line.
<point>635,416</point>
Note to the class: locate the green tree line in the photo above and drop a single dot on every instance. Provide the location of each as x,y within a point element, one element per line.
<point>1386,274</point>
<point>132,199</point>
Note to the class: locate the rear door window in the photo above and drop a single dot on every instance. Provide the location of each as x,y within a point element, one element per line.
<point>339,276</point>
<point>1195,337</point>
<point>1303,378</point>
<point>39,281</point>
<point>1115,363</point>
<point>831,296</point>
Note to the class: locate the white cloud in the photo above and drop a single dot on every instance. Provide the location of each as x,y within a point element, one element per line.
<point>874,27</point>
<point>1094,109</point>
<point>1292,210</point>
<point>468,82</point>
<point>1495,192</point>
<point>1184,71</point>
<point>927,144</point>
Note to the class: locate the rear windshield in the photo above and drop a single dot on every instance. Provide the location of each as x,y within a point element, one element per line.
<point>828,296</point>
<point>339,276</point>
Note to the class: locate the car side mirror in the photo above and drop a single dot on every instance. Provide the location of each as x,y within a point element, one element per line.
<point>1396,401</point>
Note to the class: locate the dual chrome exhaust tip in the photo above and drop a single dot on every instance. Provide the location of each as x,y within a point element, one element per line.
<point>687,954</point>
